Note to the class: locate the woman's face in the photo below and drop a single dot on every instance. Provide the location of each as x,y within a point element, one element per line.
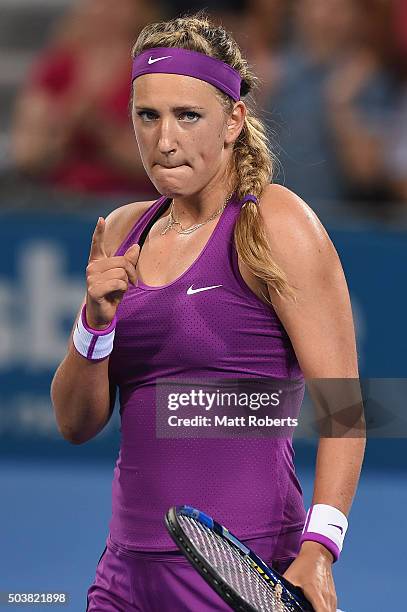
<point>183,133</point>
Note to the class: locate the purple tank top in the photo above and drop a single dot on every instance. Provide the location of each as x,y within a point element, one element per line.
<point>248,484</point>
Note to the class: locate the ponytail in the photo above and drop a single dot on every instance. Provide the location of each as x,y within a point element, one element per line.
<point>252,166</point>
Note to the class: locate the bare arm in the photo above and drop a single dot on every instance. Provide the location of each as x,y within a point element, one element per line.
<point>320,327</point>
<point>81,393</point>
<point>321,330</point>
<point>82,400</point>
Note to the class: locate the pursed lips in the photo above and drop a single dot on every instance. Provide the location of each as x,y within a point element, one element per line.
<point>170,167</point>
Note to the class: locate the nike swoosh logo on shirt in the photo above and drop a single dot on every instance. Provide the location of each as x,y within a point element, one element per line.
<point>192,291</point>
<point>338,526</point>
<point>157,59</point>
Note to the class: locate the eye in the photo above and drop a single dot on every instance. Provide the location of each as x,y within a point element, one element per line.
<point>147,115</point>
<point>190,116</point>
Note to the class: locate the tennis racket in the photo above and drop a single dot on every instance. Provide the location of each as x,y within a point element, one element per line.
<point>234,571</point>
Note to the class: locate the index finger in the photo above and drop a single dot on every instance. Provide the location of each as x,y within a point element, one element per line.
<point>97,248</point>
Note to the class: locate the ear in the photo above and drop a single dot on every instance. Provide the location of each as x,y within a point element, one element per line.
<point>235,122</point>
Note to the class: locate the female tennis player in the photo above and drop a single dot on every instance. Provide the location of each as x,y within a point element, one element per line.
<point>235,277</point>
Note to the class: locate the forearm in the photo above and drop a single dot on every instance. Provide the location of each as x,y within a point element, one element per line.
<point>338,466</point>
<point>80,396</point>
<point>338,406</point>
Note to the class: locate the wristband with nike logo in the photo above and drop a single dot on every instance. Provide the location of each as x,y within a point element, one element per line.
<point>91,343</point>
<point>326,525</point>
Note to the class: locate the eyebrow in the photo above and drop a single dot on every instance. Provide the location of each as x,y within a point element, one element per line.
<point>175,109</point>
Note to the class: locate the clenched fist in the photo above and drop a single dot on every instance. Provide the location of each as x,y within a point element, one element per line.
<point>107,279</point>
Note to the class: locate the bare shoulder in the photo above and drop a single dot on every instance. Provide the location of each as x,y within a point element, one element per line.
<point>293,228</point>
<point>120,221</point>
<point>319,322</point>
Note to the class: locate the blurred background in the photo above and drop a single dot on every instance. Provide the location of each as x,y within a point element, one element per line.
<point>334,97</point>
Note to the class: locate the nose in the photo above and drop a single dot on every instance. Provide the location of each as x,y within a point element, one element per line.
<point>167,141</point>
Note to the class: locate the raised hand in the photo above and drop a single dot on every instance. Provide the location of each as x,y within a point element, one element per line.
<point>107,278</point>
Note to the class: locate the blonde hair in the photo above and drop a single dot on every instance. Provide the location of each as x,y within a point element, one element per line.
<point>252,159</point>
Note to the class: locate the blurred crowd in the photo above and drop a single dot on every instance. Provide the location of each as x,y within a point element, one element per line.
<point>333,93</point>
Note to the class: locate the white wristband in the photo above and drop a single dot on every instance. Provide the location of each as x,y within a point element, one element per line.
<point>91,343</point>
<point>326,525</point>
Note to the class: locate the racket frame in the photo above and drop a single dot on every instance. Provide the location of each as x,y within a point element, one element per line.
<point>210,574</point>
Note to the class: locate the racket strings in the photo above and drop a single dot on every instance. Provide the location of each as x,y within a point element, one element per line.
<point>237,569</point>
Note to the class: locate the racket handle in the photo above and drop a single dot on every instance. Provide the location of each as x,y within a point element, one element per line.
<point>305,604</point>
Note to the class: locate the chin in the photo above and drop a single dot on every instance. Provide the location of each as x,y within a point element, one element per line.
<point>171,184</point>
<point>170,190</point>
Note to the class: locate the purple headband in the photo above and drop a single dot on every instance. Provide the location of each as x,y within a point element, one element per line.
<point>174,60</point>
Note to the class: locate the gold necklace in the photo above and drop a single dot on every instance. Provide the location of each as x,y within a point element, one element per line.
<point>172,221</point>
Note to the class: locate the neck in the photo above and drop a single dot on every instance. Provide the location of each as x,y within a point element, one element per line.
<point>198,207</point>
